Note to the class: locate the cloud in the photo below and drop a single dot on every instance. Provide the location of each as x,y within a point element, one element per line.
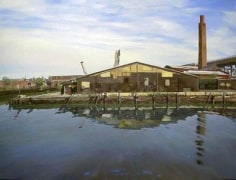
<point>222,40</point>
<point>229,18</point>
<point>53,36</point>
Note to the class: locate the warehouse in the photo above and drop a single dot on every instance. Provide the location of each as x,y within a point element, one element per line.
<point>137,77</point>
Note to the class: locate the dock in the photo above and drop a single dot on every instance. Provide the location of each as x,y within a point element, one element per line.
<point>134,99</point>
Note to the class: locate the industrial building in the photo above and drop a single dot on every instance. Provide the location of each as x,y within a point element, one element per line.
<point>137,77</point>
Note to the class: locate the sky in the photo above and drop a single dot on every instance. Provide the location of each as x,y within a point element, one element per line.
<point>51,37</point>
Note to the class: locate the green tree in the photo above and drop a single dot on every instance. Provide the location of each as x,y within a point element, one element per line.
<point>6,80</point>
<point>39,82</point>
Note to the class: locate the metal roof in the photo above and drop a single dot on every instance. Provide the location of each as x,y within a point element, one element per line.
<point>219,73</point>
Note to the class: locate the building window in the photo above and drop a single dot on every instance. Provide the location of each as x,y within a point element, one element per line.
<point>85,84</point>
<point>167,82</point>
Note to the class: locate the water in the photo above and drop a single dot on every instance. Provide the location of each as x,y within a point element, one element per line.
<point>76,143</point>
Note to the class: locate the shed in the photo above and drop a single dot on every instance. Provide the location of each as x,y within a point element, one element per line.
<point>136,77</point>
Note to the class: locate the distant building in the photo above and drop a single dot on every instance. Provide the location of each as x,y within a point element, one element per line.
<point>219,74</point>
<point>136,77</point>
<point>18,84</point>
<point>55,81</point>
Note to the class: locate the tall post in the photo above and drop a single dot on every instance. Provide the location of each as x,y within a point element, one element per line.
<point>176,100</point>
<point>135,101</point>
<point>153,101</point>
<point>118,100</point>
<point>202,48</point>
<point>223,100</point>
<point>167,100</point>
<point>104,101</point>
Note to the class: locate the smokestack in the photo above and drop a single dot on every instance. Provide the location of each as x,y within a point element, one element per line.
<point>202,49</point>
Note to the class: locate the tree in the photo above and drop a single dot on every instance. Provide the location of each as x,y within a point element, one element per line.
<point>6,80</point>
<point>39,82</point>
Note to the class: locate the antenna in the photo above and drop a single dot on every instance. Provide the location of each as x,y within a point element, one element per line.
<point>82,64</point>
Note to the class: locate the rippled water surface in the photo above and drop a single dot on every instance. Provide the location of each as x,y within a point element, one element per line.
<point>76,143</point>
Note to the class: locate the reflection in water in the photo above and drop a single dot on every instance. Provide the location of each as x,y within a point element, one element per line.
<point>167,116</point>
<point>17,114</point>
<point>200,130</point>
<point>30,110</point>
<point>139,118</point>
<point>131,119</point>
<point>52,143</point>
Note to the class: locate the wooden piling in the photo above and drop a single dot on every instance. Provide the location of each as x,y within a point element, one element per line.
<point>176,100</point>
<point>118,100</point>
<point>153,101</point>
<point>135,101</point>
<point>212,99</point>
<point>223,99</point>
<point>208,98</point>
<point>167,100</point>
<point>104,101</point>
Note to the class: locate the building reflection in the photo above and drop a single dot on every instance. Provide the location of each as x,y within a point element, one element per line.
<point>199,142</point>
<point>129,118</point>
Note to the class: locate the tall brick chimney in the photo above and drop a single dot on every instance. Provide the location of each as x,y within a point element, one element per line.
<point>202,49</point>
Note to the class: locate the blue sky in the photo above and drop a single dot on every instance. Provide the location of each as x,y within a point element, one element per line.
<point>51,37</point>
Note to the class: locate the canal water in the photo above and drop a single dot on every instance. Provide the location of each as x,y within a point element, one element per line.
<point>82,143</point>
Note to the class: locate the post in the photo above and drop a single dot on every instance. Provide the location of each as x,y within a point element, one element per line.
<point>118,99</point>
<point>104,101</point>
<point>153,101</point>
<point>208,98</point>
<point>223,99</point>
<point>176,100</point>
<point>135,101</point>
<point>167,100</point>
<point>213,99</point>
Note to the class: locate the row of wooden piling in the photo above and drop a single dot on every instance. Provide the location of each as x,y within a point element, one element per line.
<point>136,100</point>
<point>210,99</point>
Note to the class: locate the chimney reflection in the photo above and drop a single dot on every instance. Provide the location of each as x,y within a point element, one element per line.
<point>200,130</point>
